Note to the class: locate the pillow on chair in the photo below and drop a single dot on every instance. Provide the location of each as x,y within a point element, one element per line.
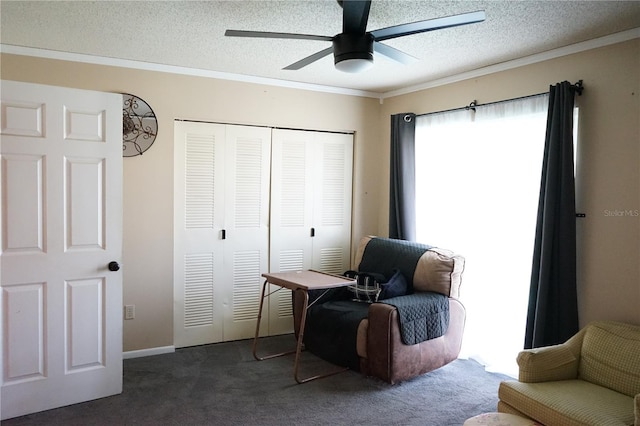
<point>396,286</point>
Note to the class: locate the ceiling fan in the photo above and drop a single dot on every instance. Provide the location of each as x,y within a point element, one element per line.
<point>353,48</point>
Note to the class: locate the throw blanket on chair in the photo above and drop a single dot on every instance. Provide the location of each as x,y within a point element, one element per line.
<point>423,316</point>
<point>331,331</point>
<point>384,255</point>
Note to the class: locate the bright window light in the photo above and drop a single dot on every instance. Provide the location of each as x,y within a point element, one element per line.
<point>477,188</point>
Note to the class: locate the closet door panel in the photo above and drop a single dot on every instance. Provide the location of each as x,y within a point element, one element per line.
<point>198,223</point>
<point>310,209</point>
<point>246,254</point>
<point>291,200</point>
<point>332,202</point>
<point>291,217</point>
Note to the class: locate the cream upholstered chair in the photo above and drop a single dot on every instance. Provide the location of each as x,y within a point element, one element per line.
<point>592,379</point>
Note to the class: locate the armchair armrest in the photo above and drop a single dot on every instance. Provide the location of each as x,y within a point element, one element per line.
<point>550,363</point>
<point>392,361</point>
<point>423,315</point>
<point>637,410</point>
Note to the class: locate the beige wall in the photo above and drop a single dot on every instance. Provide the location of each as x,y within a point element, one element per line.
<point>608,157</point>
<point>148,179</point>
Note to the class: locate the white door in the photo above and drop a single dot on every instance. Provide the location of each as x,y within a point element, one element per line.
<point>221,230</point>
<point>292,201</point>
<point>332,202</point>
<point>310,209</point>
<point>61,226</point>
<point>246,252</point>
<point>199,163</point>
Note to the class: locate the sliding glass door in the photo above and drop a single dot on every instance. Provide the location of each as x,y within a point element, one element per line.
<point>477,185</point>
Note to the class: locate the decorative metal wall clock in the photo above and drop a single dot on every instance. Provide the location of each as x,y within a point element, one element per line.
<point>139,125</point>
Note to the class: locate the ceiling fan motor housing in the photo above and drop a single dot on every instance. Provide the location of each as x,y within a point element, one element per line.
<point>352,46</point>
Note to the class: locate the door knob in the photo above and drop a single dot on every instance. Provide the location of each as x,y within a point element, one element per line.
<point>114,266</point>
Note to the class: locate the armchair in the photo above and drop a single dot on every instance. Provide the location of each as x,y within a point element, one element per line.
<point>592,379</point>
<point>368,337</point>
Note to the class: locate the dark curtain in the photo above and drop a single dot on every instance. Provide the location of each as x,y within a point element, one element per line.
<point>402,211</point>
<point>553,309</point>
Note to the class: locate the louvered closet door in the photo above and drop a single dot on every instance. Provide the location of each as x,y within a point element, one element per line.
<point>221,231</point>
<point>291,217</point>
<point>198,224</point>
<point>310,209</point>
<point>292,201</point>
<point>332,202</point>
<point>246,228</point>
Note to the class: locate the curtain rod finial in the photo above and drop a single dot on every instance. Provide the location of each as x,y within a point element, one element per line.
<point>472,105</point>
<point>578,87</point>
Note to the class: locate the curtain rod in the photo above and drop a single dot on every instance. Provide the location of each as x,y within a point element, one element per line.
<point>344,132</point>
<point>577,87</point>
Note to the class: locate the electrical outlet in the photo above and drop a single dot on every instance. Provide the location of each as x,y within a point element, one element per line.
<point>129,312</point>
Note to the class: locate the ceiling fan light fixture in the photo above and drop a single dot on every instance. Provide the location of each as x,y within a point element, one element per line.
<point>354,65</point>
<point>353,53</point>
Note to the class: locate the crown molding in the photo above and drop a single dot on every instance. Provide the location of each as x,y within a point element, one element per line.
<point>516,63</point>
<point>148,66</point>
<point>195,72</point>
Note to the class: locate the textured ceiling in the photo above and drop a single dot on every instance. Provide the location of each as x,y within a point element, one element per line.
<point>191,34</point>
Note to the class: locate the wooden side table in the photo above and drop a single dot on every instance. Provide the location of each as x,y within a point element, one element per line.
<point>299,281</point>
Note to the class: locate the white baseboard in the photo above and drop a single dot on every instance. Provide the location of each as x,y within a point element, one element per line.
<point>148,352</point>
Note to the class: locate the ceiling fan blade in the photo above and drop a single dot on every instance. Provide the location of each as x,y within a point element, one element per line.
<point>267,34</point>
<point>428,25</point>
<point>309,59</point>
<point>395,54</point>
<point>355,14</point>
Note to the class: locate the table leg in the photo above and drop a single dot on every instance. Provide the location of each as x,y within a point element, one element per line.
<point>299,343</point>
<point>257,336</point>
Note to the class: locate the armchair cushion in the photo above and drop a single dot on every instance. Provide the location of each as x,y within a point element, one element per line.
<point>568,402</point>
<point>331,331</point>
<point>611,357</point>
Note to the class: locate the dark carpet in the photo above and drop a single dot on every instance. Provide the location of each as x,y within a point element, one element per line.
<point>222,384</point>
